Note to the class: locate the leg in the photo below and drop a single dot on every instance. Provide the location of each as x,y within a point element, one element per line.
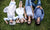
<point>33,5</point>
<point>30,3</point>
<point>39,3</point>
<point>5,19</point>
<point>32,0</point>
<point>26,4</point>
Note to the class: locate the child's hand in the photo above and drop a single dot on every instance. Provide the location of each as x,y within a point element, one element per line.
<point>41,8</point>
<point>6,22</point>
<point>38,6</point>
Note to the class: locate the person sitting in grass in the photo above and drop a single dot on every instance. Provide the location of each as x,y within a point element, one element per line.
<point>20,13</point>
<point>10,10</point>
<point>38,13</point>
<point>28,11</point>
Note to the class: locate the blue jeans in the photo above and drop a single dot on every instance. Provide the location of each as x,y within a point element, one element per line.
<point>38,3</point>
<point>28,3</point>
<point>32,0</point>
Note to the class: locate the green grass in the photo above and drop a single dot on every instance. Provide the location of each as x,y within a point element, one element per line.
<point>45,24</point>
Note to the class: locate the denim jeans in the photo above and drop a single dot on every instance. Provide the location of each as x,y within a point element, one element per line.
<point>38,3</point>
<point>28,3</point>
<point>32,0</point>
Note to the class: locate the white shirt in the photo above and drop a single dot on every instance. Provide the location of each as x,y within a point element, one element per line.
<point>20,11</point>
<point>10,9</point>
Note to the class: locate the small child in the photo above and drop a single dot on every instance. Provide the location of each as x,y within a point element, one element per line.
<point>29,11</point>
<point>20,12</point>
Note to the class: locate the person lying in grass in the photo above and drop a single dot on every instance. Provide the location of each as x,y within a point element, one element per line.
<point>10,10</point>
<point>28,11</point>
<point>20,13</point>
<point>38,13</point>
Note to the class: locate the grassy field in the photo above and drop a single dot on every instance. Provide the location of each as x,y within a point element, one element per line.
<point>45,24</point>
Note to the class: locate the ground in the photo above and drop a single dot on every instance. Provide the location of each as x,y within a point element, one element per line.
<point>45,24</point>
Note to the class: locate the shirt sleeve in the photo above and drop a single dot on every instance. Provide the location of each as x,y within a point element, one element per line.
<point>35,10</point>
<point>5,9</point>
<point>42,12</point>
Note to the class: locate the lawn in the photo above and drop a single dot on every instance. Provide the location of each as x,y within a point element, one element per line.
<point>45,24</point>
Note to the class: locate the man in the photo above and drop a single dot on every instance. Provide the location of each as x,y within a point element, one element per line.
<point>28,11</point>
<point>38,13</point>
<point>32,0</point>
<point>20,12</point>
<point>10,10</point>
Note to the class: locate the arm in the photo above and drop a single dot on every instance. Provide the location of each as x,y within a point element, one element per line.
<point>5,10</point>
<point>5,19</point>
<point>25,13</point>
<point>32,11</point>
<point>42,12</point>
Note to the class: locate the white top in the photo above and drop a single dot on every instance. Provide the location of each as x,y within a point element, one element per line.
<point>20,11</point>
<point>10,10</point>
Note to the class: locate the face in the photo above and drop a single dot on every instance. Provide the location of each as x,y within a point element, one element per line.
<point>20,4</point>
<point>38,19</point>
